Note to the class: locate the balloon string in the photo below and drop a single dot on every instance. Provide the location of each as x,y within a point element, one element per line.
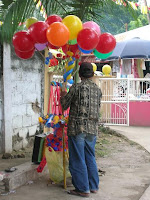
<point>40,53</point>
<point>75,72</point>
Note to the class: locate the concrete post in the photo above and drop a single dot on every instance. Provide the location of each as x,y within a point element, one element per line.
<point>7,124</point>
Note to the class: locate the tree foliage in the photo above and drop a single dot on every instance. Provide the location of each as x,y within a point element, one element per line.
<point>17,11</point>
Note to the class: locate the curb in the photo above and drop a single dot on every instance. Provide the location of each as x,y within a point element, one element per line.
<point>25,172</point>
<point>146,194</point>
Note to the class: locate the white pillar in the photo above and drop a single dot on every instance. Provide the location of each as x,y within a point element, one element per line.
<point>7,124</point>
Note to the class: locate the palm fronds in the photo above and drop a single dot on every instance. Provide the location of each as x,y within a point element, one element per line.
<point>16,11</point>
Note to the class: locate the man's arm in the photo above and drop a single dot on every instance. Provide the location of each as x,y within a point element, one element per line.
<point>66,98</point>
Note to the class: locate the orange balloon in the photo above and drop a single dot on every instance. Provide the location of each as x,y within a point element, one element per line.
<point>57,34</point>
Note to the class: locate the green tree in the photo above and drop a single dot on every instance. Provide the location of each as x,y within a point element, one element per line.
<point>141,21</point>
<point>16,11</point>
<point>117,18</point>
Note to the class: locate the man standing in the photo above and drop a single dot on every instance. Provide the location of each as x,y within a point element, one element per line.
<point>84,101</point>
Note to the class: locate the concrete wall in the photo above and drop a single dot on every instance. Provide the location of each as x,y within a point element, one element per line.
<point>1,93</point>
<point>26,90</point>
<point>27,77</point>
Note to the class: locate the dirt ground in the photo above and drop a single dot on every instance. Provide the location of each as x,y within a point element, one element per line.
<point>124,173</point>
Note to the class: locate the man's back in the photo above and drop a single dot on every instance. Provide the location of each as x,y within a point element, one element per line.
<point>85,98</point>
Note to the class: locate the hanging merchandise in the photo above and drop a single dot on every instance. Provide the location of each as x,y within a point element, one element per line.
<point>56,143</point>
<point>126,66</point>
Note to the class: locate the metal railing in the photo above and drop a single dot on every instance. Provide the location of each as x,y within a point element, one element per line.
<point>117,94</point>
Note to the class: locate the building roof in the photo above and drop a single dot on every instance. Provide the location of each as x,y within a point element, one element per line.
<point>142,32</point>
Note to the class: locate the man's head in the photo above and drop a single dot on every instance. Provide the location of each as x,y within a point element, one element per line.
<point>86,70</point>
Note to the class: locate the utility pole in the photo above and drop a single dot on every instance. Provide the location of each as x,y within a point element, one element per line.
<point>148,16</point>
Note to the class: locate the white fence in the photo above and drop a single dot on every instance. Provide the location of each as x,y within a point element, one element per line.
<point>117,93</point>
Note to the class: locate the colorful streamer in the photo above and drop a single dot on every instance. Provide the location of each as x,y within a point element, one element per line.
<point>69,68</point>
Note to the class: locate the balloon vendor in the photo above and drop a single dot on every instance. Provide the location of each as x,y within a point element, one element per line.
<point>84,100</point>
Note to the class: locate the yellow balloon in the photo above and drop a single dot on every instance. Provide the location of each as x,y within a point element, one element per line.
<point>106,69</point>
<point>94,67</point>
<point>74,25</point>
<point>30,21</point>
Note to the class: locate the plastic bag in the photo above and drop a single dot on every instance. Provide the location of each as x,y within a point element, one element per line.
<point>55,165</point>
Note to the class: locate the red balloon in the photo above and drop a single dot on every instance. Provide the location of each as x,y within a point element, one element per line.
<point>22,41</point>
<point>38,31</point>
<point>73,48</point>
<point>52,46</point>
<point>87,39</point>
<point>25,54</point>
<point>106,44</point>
<point>53,18</point>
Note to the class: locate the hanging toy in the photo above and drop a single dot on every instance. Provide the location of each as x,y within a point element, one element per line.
<point>47,59</point>
<point>50,121</point>
<point>69,68</point>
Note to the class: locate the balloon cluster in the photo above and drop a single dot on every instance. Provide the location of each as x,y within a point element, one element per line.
<point>69,33</point>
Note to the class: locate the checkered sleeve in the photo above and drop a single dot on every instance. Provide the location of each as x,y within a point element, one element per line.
<point>66,100</point>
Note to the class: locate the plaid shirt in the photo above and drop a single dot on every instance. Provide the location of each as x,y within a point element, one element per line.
<point>84,101</point>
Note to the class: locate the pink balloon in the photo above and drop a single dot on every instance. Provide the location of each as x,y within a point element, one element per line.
<point>92,25</point>
<point>40,47</point>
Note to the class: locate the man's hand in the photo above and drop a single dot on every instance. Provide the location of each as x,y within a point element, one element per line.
<point>63,93</point>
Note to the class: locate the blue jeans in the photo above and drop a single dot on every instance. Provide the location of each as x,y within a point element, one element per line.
<point>82,164</point>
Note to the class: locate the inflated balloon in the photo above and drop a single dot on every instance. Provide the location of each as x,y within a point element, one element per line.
<point>22,41</point>
<point>30,21</point>
<point>67,75</point>
<point>40,47</point>
<point>70,81</point>
<point>94,67</point>
<point>72,42</point>
<point>74,25</point>
<point>25,54</point>
<point>106,44</point>
<point>106,69</point>
<point>57,34</point>
<point>92,25</point>
<point>101,55</point>
<point>85,51</point>
<point>52,46</point>
<point>87,39</point>
<point>38,31</point>
<point>69,68</point>
<point>73,48</point>
<point>53,18</point>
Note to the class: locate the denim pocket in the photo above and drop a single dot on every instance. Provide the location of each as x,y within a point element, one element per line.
<point>90,137</point>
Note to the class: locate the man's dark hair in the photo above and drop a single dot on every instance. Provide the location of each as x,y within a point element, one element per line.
<point>86,70</point>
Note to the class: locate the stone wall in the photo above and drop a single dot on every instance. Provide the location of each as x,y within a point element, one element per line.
<point>27,92</point>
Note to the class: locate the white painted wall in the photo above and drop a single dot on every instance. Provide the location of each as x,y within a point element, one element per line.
<point>1,97</point>
<point>25,87</point>
<point>27,77</point>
